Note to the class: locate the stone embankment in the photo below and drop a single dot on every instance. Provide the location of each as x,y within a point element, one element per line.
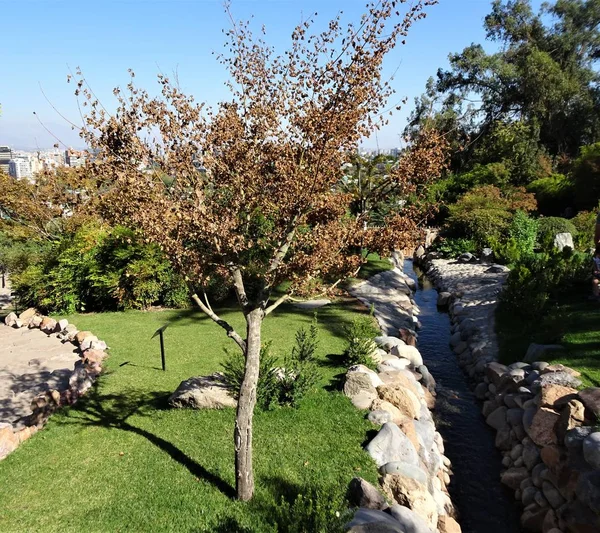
<point>546,428</point>
<point>409,452</point>
<point>59,390</point>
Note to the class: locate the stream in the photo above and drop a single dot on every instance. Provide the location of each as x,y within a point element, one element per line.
<point>483,503</point>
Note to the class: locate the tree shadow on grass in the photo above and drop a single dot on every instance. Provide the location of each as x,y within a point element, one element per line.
<point>113,411</point>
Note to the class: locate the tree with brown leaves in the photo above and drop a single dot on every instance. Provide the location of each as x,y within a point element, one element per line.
<point>252,195</point>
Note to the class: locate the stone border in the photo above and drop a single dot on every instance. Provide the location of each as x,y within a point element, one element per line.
<point>546,429</point>
<point>92,352</point>
<point>408,450</point>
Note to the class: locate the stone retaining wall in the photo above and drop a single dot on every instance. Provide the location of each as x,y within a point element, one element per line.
<point>408,450</point>
<point>546,429</point>
<point>92,352</point>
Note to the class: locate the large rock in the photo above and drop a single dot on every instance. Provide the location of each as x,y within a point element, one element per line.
<point>411,522</point>
<point>588,490</point>
<point>572,416</point>
<point>203,392</point>
<point>379,417</point>
<point>405,469</point>
<point>48,325</point>
<point>541,352</point>
<point>591,449</point>
<point>563,240</point>
<point>362,494</point>
<point>513,477</point>
<point>497,419</point>
<point>400,378</point>
<point>373,521</point>
<point>11,320</point>
<point>408,352</point>
<point>8,440</point>
<point>390,444</point>
<point>357,382</point>
<point>563,377</point>
<point>404,399</point>
<point>590,397</point>
<point>362,369</point>
<point>380,405</point>
<point>541,430</point>
<point>411,494</point>
<point>447,524</point>
<point>80,336</point>
<point>443,299</point>
<point>556,395</point>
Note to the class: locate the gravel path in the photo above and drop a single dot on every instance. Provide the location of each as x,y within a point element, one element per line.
<point>31,362</point>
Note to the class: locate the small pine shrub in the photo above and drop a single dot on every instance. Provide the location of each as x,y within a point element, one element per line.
<point>360,346</point>
<point>451,248</point>
<point>267,389</point>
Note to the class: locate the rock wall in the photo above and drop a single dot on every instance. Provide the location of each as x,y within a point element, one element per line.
<point>545,427</point>
<point>408,450</point>
<point>92,352</point>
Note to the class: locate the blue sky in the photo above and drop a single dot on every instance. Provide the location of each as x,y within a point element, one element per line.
<point>107,37</point>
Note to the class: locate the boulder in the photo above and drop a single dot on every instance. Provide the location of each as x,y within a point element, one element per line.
<point>8,440</point>
<point>28,314</point>
<point>91,342</point>
<point>393,364</point>
<point>362,494</point>
<point>405,469</point>
<point>564,378</point>
<point>11,320</point>
<point>574,437</point>
<point>400,378</point>
<point>379,417</point>
<point>357,382</point>
<point>364,399</point>
<point>387,342</point>
<point>541,430</point>
<point>390,444</point>
<point>411,494</point>
<point>563,240</point>
<point>513,477</point>
<point>591,449</point>
<point>497,419</point>
<point>381,405</point>
<point>447,524</point>
<point>541,352</point>
<point>48,325</point>
<point>373,521</point>
<point>404,399</point>
<point>443,299</point>
<point>35,322</point>
<point>533,519</point>
<point>588,490</point>
<point>427,379</point>
<point>408,336</point>
<point>487,255</point>
<point>408,352</point>
<point>552,494</point>
<point>203,392</point>
<point>410,521</point>
<point>81,335</point>
<point>556,395</point>
<point>590,398</point>
<point>572,416</point>
<point>372,375</point>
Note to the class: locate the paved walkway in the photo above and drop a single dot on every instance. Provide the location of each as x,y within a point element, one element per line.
<point>31,362</point>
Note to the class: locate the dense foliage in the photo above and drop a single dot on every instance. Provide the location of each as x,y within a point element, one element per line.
<point>359,342</point>
<point>98,268</point>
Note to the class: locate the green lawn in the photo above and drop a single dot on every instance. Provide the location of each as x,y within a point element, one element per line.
<point>573,321</point>
<point>121,460</point>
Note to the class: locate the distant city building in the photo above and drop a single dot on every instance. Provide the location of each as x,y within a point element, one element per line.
<point>74,158</point>
<point>20,167</point>
<point>6,154</point>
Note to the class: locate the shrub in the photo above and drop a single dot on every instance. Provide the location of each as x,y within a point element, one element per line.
<point>483,214</point>
<point>453,247</point>
<point>267,388</point>
<point>522,235</point>
<point>586,177</point>
<point>300,372</point>
<point>360,346</point>
<point>585,224</point>
<point>553,193</point>
<point>548,227</point>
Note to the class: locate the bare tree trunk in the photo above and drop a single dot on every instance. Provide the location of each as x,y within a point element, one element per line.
<point>244,476</point>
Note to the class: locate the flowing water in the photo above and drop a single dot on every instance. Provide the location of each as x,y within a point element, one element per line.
<point>484,504</point>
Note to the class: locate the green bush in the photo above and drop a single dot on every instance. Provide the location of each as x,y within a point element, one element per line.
<point>359,337</point>
<point>451,248</point>
<point>521,240</point>
<point>97,269</point>
<point>549,227</point>
<point>267,388</point>
<point>585,224</point>
<point>300,372</point>
<point>539,277</point>
<point>553,194</point>
<point>586,177</point>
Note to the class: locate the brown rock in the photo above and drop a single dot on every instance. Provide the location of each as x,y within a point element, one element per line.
<point>411,494</point>
<point>35,322</point>
<point>447,524</point>
<point>556,395</point>
<point>590,397</point>
<point>81,335</point>
<point>561,368</point>
<point>27,315</point>
<point>400,378</point>
<point>571,416</point>
<point>397,416</point>
<point>94,357</point>
<point>550,456</point>
<point>48,325</point>
<point>8,441</point>
<point>24,434</point>
<point>407,336</point>
<point>407,427</point>
<point>402,398</point>
<point>429,399</point>
<point>541,430</point>
<point>513,477</point>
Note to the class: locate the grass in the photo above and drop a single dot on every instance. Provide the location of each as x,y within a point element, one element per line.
<point>572,320</point>
<point>121,460</point>
<point>375,264</point>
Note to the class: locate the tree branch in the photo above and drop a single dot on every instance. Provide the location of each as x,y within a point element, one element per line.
<point>276,304</point>
<point>240,290</point>
<point>231,333</point>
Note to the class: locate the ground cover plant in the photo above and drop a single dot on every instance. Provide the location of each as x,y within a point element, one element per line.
<point>121,460</point>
